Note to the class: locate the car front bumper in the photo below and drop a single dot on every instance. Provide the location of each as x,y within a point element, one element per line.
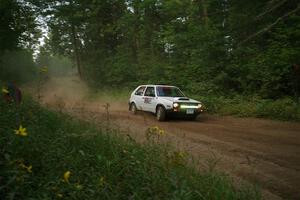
<point>183,113</point>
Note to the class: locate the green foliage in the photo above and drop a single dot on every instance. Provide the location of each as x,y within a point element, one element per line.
<point>197,45</point>
<point>56,65</point>
<point>211,48</point>
<point>18,37</point>
<point>101,165</point>
<point>284,109</point>
<point>17,66</point>
<point>18,25</point>
<point>249,106</point>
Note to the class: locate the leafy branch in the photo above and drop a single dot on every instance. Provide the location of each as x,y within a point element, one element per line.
<point>269,26</point>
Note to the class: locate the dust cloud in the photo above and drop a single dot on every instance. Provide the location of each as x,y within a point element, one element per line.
<point>69,92</point>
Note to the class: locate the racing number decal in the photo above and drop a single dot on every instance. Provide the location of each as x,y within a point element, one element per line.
<point>147,100</point>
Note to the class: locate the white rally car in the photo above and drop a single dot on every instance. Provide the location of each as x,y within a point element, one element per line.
<point>164,101</point>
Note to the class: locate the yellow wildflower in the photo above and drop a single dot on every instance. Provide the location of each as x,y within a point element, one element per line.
<point>27,168</point>
<point>4,90</point>
<point>67,175</point>
<point>78,186</point>
<point>179,157</point>
<point>161,132</point>
<point>22,165</point>
<point>180,154</point>
<point>44,69</point>
<point>21,131</point>
<point>102,181</point>
<point>154,132</point>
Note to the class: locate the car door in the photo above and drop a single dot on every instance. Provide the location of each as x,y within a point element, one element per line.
<point>149,98</point>
<point>138,97</point>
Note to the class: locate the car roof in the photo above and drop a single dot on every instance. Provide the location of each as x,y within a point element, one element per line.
<point>151,85</point>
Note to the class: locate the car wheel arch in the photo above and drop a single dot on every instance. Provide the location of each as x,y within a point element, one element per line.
<point>160,112</point>
<point>133,102</point>
<point>160,105</point>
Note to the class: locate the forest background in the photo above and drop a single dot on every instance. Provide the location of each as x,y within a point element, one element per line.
<point>244,54</point>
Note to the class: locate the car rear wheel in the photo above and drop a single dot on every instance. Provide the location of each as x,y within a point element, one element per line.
<point>160,114</point>
<point>133,108</point>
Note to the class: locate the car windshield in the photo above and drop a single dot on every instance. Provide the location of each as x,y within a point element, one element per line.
<point>168,92</point>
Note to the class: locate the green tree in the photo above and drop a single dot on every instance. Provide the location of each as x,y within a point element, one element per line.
<point>19,35</point>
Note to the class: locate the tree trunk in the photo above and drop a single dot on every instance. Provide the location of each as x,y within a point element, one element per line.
<point>76,51</point>
<point>204,12</point>
<point>136,38</point>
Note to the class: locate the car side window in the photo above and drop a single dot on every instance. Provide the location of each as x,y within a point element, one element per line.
<point>140,91</point>
<point>150,92</point>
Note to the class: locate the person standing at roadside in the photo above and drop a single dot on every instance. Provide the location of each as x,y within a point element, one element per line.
<point>13,95</point>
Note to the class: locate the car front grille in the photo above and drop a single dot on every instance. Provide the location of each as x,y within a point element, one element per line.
<point>188,105</point>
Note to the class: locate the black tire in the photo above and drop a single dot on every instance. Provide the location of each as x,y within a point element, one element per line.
<point>160,113</point>
<point>133,108</point>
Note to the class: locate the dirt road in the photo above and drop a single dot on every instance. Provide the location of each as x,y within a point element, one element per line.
<point>263,152</point>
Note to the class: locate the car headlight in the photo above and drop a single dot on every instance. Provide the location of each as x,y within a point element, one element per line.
<point>199,105</point>
<point>175,105</point>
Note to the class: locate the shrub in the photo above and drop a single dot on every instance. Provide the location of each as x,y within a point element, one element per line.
<point>248,106</point>
<point>283,109</point>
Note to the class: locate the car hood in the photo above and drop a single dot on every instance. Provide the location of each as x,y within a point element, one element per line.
<point>180,99</point>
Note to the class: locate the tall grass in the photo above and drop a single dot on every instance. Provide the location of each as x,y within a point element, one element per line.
<point>96,164</point>
<point>244,106</point>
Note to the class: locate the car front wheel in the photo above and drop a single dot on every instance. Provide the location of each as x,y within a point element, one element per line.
<point>160,114</point>
<point>133,108</point>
